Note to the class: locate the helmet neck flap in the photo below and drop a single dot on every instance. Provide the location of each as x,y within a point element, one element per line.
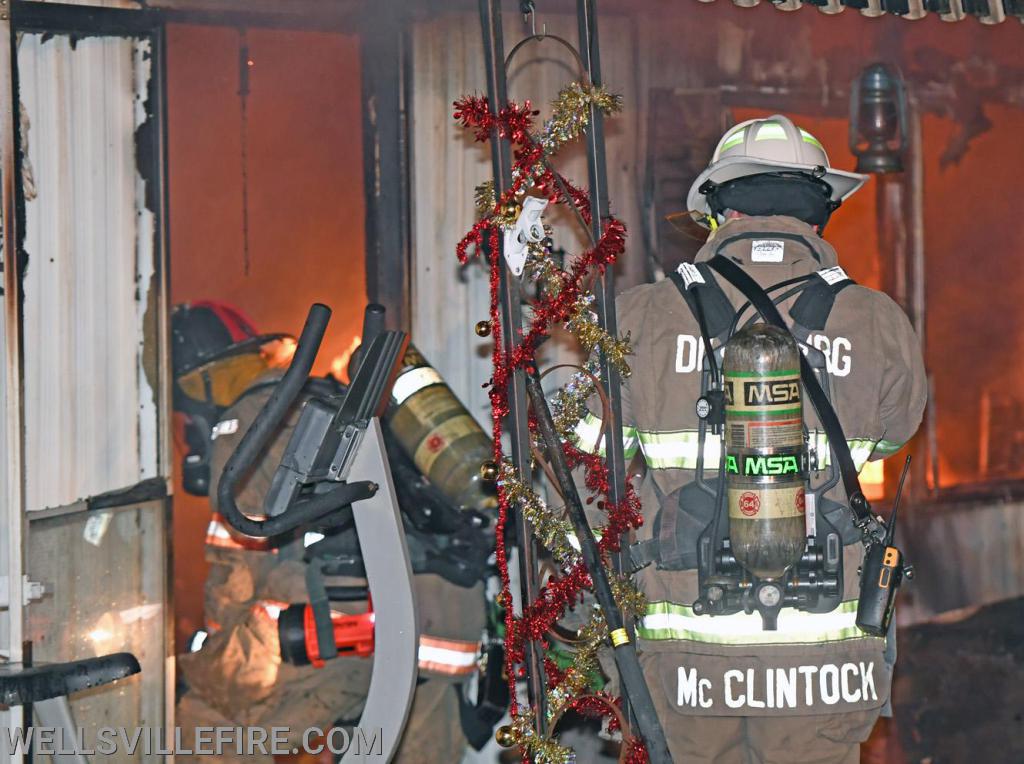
<point>795,194</point>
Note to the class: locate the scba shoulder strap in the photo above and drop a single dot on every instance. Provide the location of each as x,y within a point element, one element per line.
<point>871,528</point>
<point>812,308</point>
<point>700,290</point>
<point>697,284</point>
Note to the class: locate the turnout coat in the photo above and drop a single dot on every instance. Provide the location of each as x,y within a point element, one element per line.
<point>728,665</point>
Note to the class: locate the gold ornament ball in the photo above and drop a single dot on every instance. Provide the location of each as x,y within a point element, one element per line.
<point>505,737</point>
<point>489,471</point>
<point>483,328</point>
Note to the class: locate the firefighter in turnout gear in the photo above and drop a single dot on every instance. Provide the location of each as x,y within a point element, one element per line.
<point>729,687</point>
<point>243,675</point>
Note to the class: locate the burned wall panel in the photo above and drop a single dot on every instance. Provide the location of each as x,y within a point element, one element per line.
<point>90,409</point>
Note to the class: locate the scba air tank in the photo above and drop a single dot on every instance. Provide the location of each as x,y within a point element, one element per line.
<point>764,466</point>
<point>439,434</point>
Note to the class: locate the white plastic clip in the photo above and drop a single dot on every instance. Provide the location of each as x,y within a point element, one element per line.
<point>528,229</point>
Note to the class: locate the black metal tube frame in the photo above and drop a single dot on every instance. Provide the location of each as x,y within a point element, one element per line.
<point>511,326</point>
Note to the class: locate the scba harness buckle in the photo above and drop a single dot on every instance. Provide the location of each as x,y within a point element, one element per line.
<point>813,584</point>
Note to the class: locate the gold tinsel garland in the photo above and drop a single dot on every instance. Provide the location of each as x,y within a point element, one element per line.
<point>552,532</point>
<point>570,113</point>
<point>584,327</point>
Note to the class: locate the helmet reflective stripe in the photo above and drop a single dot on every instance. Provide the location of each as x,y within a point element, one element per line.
<point>735,140</point>
<point>771,131</point>
<point>669,620</point>
<point>808,138</point>
<point>588,430</point>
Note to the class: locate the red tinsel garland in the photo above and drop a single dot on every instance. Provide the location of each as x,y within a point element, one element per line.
<point>531,168</point>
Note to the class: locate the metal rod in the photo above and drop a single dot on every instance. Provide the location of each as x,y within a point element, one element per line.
<point>916,277</point>
<point>511,327</point>
<point>385,159</point>
<point>624,652</point>
<point>604,290</point>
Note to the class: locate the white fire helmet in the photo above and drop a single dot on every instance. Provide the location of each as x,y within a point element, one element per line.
<point>768,145</point>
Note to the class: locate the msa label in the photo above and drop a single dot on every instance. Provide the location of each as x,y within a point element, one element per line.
<point>762,466</point>
<point>767,251</point>
<point>771,393</point>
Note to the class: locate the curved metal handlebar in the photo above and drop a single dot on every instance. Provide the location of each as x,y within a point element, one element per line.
<point>581,70</point>
<point>262,430</point>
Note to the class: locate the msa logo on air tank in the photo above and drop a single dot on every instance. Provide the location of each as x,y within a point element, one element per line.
<point>756,466</point>
<point>762,392</point>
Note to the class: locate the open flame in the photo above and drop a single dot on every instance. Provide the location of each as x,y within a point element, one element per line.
<point>278,353</point>
<point>339,366</point>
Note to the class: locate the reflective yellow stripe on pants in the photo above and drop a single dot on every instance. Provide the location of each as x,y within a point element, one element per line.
<point>669,620</point>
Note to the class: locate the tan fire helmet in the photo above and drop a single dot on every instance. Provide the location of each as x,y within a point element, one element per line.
<point>767,145</point>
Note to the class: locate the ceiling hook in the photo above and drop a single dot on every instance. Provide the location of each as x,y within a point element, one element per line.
<point>529,9</point>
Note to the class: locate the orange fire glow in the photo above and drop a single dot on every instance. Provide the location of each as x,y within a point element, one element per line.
<point>872,480</point>
<point>339,366</point>
<point>279,352</point>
